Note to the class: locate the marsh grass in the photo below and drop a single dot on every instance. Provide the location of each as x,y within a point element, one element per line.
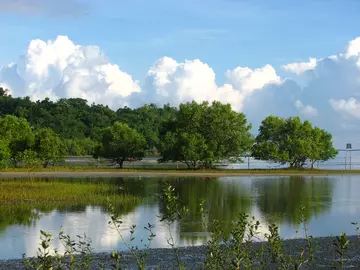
<point>23,200</point>
<point>57,192</point>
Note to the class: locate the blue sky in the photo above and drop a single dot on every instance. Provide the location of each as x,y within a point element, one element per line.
<point>222,33</point>
<point>251,54</point>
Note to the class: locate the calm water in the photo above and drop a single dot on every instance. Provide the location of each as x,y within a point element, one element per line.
<point>332,204</point>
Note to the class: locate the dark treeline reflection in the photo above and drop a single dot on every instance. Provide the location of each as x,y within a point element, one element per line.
<point>280,198</point>
<point>224,201</point>
<point>277,199</point>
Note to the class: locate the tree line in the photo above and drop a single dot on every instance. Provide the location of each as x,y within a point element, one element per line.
<point>197,134</point>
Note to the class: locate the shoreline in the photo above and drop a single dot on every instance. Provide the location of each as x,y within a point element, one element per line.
<point>167,173</point>
<point>194,256</point>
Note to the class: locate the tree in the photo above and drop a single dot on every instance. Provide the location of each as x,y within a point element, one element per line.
<point>321,146</point>
<point>79,147</point>
<point>75,119</point>
<point>3,92</point>
<point>201,134</point>
<point>120,143</point>
<point>49,147</point>
<point>19,135</point>
<point>30,159</point>
<point>146,120</point>
<point>4,153</point>
<point>292,141</point>
<point>185,147</point>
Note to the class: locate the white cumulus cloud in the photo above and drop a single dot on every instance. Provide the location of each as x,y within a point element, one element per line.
<point>299,68</point>
<point>306,110</point>
<point>170,81</point>
<point>350,106</point>
<point>60,68</point>
<point>353,48</point>
<point>249,80</point>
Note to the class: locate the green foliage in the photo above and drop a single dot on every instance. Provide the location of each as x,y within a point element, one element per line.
<point>30,159</point>
<point>216,255</point>
<point>19,135</point>
<point>74,119</point>
<point>198,135</point>
<point>79,147</point>
<point>5,153</point>
<point>341,244</point>
<point>172,206</point>
<point>141,257</point>
<point>201,134</point>
<point>146,120</point>
<point>77,255</point>
<point>292,141</point>
<point>49,147</point>
<point>44,260</point>
<point>120,143</point>
<point>172,209</point>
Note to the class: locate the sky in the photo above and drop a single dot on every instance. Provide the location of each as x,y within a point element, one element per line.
<point>280,57</point>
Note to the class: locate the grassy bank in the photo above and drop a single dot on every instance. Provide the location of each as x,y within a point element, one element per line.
<point>159,171</point>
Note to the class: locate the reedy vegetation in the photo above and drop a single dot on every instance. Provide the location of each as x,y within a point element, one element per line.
<point>22,200</point>
<point>243,249</point>
<point>61,192</point>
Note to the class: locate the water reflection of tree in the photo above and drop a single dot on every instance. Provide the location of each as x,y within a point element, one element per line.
<point>225,201</point>
<point>281,199</point>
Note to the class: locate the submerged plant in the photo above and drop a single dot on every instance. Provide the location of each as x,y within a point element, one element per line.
<point>140,256</point>
<point>307,254</point>
<point>77,255</point>
<point>356,224</point>
<point>173,210</point>
<point>341,244</point>
<point>43,260</point>
<point>243,233</point>
<point>216,250</point>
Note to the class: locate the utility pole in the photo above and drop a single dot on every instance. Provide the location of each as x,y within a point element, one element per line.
<point>348,155</point>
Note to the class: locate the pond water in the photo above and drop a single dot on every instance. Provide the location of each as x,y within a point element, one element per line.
<point>332,203</point>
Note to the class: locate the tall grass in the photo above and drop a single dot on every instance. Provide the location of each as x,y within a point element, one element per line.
<point>21,200</point>
<point>60,192</point>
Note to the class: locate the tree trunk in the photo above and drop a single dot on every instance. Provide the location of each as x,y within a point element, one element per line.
<point>312,164</point>
<point>45,164</point>
<point>194,164</point>
<point>121,163</point>
<point>14,162</point>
